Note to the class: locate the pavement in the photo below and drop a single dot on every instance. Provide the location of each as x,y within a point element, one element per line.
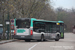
<point>6,41</point>
<point>68,43</point>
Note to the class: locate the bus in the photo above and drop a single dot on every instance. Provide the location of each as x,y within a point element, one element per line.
<point>36,29</point>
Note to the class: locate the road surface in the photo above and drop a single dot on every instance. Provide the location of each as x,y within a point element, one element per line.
<point>68,43</point>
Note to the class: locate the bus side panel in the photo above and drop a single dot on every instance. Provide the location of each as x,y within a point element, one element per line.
<point>36,35</point>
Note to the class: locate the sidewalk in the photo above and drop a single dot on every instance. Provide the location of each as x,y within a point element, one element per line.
<point>6,41</point>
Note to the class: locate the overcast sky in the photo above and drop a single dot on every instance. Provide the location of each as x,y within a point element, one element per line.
<point>63,3</point>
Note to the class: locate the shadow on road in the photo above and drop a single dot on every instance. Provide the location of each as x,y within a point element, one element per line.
<point>34,41</point>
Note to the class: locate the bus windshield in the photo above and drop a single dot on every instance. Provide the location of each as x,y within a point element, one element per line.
<point>23,23</point>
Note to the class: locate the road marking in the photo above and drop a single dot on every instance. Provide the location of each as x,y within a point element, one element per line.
<point>33,46</point>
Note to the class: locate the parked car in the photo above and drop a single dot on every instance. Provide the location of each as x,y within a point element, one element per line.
<point>1,32</point>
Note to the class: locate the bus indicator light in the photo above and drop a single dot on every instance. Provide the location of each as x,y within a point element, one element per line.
<point>31,32</point>
<point>14,32</point>
<point>58,23</point>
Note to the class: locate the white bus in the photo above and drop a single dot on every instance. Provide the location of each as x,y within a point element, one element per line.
<point>34,29</point>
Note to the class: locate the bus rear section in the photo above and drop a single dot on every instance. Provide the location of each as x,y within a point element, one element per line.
<point>22,29</point>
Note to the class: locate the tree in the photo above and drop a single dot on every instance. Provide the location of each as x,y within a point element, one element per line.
<point>68,16</point>
<point>26,9</point>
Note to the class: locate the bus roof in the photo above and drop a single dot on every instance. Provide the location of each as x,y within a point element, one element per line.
<point>60,22</point>
<point>34,19</point>
<point>46,20</point>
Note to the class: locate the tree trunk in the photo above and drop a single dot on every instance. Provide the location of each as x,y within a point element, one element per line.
<point>3,27</point>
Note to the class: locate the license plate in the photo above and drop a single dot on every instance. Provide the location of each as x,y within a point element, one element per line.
<point>22,36</point>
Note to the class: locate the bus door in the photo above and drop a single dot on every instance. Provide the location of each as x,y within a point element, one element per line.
<point>52,30</point>
<point>62,31</point>
<point>22,27</point>
<point>47,31</point>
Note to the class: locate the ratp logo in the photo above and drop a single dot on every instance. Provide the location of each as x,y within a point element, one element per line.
<point>20,30</point>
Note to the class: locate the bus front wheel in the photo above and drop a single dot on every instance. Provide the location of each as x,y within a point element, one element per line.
<point>57,38</point>
<point>27,40</point>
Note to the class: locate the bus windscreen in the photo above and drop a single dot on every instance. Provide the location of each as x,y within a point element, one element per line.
<point>23,23</point>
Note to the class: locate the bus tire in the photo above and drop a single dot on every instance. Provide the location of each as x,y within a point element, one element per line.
<point>27,40</point>
<point>42,38</point>
<point>57,38</point>
<point>45,40</point>
<point>38,40</point>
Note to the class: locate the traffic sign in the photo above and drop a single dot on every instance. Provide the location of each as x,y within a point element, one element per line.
<point>12,20</point>
<point>12,26</point>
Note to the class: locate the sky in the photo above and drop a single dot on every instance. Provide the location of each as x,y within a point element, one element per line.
<point>63,3</point>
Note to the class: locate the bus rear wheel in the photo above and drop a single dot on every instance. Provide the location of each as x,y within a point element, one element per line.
<point>42,38</point>
<point>27,40</point>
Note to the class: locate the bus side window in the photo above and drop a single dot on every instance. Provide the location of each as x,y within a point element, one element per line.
<point>47,29</point>
<point>53,28</point>
<point>38,27</point>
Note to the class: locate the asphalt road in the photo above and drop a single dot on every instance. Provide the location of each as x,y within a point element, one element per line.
<point>68,43</point>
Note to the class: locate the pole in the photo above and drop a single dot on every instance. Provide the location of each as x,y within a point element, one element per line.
<point>8,28</point>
